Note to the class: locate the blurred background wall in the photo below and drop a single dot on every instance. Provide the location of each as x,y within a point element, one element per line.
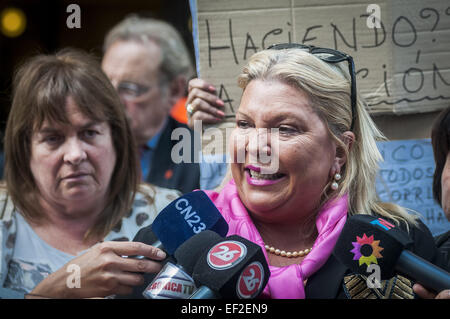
<point>29,27</point>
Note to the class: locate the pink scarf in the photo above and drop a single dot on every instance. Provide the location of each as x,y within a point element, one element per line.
<point>285,282</point>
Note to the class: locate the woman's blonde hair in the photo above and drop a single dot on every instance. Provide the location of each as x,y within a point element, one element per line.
<point>328,87</point>
<point>40,90</point>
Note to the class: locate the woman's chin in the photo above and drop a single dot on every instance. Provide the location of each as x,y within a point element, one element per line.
<point>80,194</point>
<point>262,204</point>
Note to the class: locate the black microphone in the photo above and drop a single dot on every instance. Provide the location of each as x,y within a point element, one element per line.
<point>147,236</point>
<point>184,217</point>
<point>233,268</point>
<point>175,281</point>
<point>366,241</point>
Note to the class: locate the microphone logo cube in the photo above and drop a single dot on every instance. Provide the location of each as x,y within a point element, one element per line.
<point>226,254</point>
<point>250,281</point>
<point>366,250</point>
<point>382,223</point>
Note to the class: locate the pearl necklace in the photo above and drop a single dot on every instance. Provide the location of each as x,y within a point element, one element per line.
<point>287,254</point>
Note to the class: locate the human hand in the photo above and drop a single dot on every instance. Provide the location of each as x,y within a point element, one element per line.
<point>103,271</point>
<point>424,293</point>
<point>207,107</point>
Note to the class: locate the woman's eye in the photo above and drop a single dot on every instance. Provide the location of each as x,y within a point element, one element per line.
<point>90,133</point>
<point>242,124</point>
<point>53,139</point>
<point>287,130</point>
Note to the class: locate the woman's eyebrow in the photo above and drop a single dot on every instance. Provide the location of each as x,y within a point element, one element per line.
<point>89,124</point>
<point>51,129</point>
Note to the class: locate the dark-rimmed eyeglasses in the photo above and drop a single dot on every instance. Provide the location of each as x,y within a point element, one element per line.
<point>329,56</point>
<point>131,90</point>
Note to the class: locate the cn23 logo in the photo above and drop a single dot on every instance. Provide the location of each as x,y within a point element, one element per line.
<point>192,219</point>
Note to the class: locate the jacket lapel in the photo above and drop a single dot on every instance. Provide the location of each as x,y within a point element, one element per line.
<point>161,160</point>
<point>327,281</point>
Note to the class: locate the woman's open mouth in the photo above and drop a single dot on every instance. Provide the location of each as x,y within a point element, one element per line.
<point>256,178</point>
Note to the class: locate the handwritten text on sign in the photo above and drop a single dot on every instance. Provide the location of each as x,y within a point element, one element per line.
<point>406,177</point>
<point>402,66</point>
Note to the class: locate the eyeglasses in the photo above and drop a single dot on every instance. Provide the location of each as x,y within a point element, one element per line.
<point>329,56</point>
<point>130,90</point>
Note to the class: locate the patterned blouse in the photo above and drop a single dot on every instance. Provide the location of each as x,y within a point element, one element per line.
<point>26,259</point>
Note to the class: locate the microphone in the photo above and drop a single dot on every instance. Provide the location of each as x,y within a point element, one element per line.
<point>147,236</point>
<point>175,281</point>
<point>366,241</point>
<point>184,217</point>
<point>180,220</point>
<point>233,268</point>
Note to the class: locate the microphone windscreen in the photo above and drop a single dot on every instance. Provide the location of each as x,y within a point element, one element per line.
<point>175,281</point>
<point>367,240</point>
<point>186,216</point>
<point>190,251</point>
<point>234,268</point>
<point>146,235</point>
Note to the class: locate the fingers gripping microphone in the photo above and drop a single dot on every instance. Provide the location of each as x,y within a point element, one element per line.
<point>175,281</point>
<point>366,241</point>
<point>147,236</point>
<point>233,268</point>
<point>180,220</point>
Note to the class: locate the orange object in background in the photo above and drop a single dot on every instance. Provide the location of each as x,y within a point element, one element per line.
<point>178,111</point>
<point>168,174</point>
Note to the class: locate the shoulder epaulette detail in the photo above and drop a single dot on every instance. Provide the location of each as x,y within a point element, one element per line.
<point>398,287</point>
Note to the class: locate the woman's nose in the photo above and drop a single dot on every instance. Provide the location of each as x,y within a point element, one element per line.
<point>259,145</point>
<point>74,152</point>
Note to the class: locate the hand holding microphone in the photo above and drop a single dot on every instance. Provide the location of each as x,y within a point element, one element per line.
<point>183,218</point>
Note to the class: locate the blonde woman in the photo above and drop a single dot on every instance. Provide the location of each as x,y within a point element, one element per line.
<point>300,106</point>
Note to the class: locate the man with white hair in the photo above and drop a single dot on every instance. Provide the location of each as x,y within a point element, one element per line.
<point>149,65</point>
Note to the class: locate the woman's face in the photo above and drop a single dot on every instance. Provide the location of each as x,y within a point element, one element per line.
<point>72,164</point>
<point>300,146</point>
<point>445,186</point>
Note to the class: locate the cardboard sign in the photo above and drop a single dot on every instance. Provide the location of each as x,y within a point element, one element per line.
<point>406,178</point>
<point>401,48</point>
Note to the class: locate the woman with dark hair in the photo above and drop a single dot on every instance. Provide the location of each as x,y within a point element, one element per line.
<point>72,185</point>
<point>440,140</point>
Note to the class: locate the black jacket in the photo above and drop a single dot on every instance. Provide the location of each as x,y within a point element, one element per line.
<point>163,172</point>
<point>443,244</point>
<point>336,281</point>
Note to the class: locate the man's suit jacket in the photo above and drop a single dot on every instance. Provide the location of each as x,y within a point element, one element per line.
<point>184,177</point>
